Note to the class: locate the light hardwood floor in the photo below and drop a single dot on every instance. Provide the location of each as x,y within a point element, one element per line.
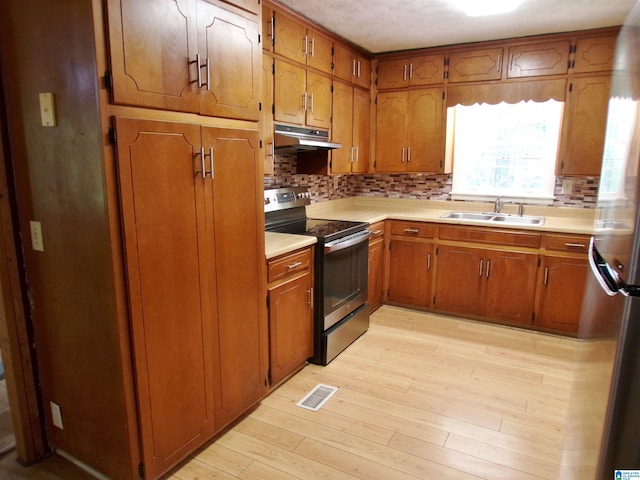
<point>423,396</point>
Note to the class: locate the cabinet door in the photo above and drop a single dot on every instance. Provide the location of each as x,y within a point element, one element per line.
<point>318,102</point>
<point>362,71</point>
<point>426,140</point>
<point>233,57</point>
<point>391,132</point>
<point>426,70</point>
<point>163,205</point>
<point>376,267</point>
<point>361,130</point>
<point>561,291</point>
<point>460,280</point>
<point>410,272</point>
<point>511,285</point>
<point>475,65</point>
<point>238,262</point>
<point>319,51</point>
<point>551,58</point>
<point>290,41</point>
<point>584,126</point>
<point>151,46</point>
<point>393,73</point>
<point>289,95</point>
<point>290,326</point>
<point>343,63</point>
<point>341,158</point>
<point>266,115</point>
<point>268,27</point>
<point>595,54</point>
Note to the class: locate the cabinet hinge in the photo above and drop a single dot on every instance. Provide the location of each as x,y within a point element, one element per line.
<point>437,251</point>
<point>434,300</point>
<point>268,305</point>
<point>260,106</point>
<point>443,95</point>
<point>269,377</point>
<point>539,261</point>
<point>333,52</point>
<point>533,317</point>
<point>273,109</point>
<point>446,62</point>
<point>108,80</point>
<point>331,164</point>
<point>113,136</point>
<point>259,39</point>
<point>332,88</point>
<point>390,243</point>
<point>571,87</point>
<point>260,143</point>
<point>141,470</point>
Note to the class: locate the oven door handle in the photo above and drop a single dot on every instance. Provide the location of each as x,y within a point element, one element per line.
<point>346,243</point>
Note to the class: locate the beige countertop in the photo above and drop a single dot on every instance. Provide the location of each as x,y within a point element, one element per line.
<point>375,209</point>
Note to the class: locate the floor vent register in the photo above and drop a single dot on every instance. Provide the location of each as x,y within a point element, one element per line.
<point>316,398</point>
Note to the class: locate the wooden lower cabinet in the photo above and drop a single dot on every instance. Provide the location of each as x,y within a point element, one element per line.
<point>375,285</point>
<point>195,281</point>
<point>410,272</point>
<point>290,313</point>
<point>562,285</point>
<point>496,284</point>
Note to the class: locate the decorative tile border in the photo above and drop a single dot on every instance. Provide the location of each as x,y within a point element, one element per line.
<point>584,190</point>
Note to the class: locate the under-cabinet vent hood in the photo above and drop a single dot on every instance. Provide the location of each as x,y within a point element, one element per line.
<point>299,140</point>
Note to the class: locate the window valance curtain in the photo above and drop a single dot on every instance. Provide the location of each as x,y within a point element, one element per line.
<point>514,92</point>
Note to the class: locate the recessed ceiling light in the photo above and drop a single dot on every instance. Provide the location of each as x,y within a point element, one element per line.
<point>475,8</point>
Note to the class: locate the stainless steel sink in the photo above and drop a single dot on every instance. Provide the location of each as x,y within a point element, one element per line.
<point>501,218</point>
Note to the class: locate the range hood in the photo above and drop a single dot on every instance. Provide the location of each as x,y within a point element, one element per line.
<point>300,139</point>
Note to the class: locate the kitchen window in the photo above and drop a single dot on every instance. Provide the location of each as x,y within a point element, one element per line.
<point>505,149</point>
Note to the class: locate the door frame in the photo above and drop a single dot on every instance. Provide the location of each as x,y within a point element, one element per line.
<point>16,338</point>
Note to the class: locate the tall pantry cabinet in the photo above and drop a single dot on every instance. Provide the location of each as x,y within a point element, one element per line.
<point>148,301</point>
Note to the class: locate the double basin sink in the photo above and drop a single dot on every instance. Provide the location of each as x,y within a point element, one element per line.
<point>498,218</point>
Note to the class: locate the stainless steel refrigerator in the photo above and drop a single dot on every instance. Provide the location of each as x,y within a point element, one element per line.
<point>614,255</point>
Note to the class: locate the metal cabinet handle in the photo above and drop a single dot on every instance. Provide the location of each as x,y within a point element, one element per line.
<point>201,171</point>
<point>511,62</point>
<point>575,245</point>
<point>311,101</point>
<point>546,275</point>
<point>411,230</point>
<point>402,160</point>
<point>199,68</point>
<point>293,265</point>
<point>272,34</point>
<point>305,47</point>
<point>488,266</point>
<point>353,71</point>
<point>311,297</point>
<point>313,46</point>
<point>358,68</point>
<point>208,84</point>
<point>351,155</point>
<point>408,154</point>
<point>211,161</point>
<point>376,232</point>
<point>498,63</point>
<point>404,74</point>
<point>410,71</point>
<point>304,101</point>
<point>428,261</point>
<point>481,265</point>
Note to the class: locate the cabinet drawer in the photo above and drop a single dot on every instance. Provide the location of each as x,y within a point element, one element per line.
<point>413,229</point>
<point>377,230</point>
<point>289,264</point>
<point>491,236</point>
<point>566,243</point>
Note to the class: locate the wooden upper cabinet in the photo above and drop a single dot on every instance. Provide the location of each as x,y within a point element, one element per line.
<point>193,56</point>
<point>318,103</point>
<point>584,126</point>
<point>351,113</point>
<point>409,130</point>
<point>144,73</point>
<point>229,42</point>
<point>351,66</point>
<point>268,28</point>
<point>296,42</point>
<point>535,59</point>
<point>475,65</point>
<point>413,71</point>
<point>594,54</point>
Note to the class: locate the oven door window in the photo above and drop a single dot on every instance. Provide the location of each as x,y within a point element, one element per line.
<point>345,281</point>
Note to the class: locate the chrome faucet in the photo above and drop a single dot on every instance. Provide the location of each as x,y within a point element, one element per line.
<point>500,203</point>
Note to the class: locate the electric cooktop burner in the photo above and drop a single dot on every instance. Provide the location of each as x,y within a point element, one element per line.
<point>323,229</point>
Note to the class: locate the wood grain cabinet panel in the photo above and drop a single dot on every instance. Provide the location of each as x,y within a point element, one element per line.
<point>562,285</point>
<point>412,71</point>
<point>535,59</point>
<point>584,126</point>
<point>594,54</point>
<point>195,280</point>
<point>290,325</point>
<point>409,131</point>
<point>351,66</point>
<point>475,65</point>
<point>351,113</point>
<point>410,272</point>
<point>375,285</point>
<point>193,56</point>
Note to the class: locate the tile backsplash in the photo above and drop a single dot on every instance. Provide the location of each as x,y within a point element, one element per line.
<point>583,190</point>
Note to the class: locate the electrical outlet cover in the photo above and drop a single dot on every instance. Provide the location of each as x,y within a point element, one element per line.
<point>56,415</point>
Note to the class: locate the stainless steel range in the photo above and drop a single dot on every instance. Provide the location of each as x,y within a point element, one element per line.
<point>341,268</point>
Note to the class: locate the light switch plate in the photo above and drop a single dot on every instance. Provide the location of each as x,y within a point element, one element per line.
<point>47,109</point>
<point>37,242</point>
<point>56,415</point>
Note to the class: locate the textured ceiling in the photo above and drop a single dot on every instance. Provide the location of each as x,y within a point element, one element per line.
<point>391,25</point>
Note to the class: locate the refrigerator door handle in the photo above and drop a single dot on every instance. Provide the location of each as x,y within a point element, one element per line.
<point>608,278</point>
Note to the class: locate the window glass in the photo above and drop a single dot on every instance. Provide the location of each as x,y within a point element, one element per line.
<point>505,149</point>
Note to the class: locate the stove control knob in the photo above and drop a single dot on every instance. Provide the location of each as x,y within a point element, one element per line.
<point>267,200</point>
